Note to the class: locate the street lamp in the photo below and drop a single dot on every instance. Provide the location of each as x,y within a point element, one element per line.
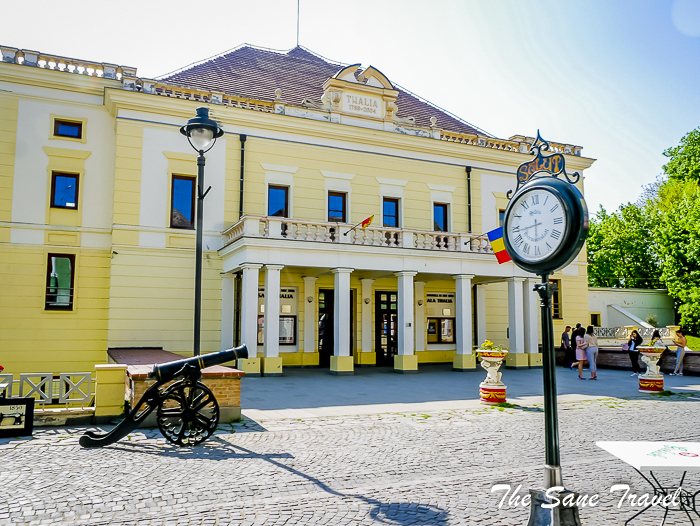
<point>201,132</point>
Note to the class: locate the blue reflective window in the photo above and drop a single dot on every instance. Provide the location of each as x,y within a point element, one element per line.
<point>440,217</point>
<point>74,130</point>
<point>336,207</point>
<point>182,206</point>
<point>64,191</point>
<point>390,214</point>
<point>277,201</point>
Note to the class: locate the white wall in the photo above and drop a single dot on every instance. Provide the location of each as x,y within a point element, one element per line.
<point>639,302</point>
<point>154,182</point>
<point>30,185</point>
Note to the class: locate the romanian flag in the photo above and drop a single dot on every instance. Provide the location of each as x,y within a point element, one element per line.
<point>367,222</point>
<point>499,248</point>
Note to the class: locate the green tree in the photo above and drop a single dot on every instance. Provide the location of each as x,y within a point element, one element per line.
<point>621,250</point>
<point>684,163</point>
<point>677,235</point>
<point>656,242</point>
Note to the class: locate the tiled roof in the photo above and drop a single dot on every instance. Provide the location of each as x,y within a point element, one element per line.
<point>255,73</point>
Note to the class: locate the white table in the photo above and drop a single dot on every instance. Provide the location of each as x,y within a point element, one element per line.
<point>661,456</point>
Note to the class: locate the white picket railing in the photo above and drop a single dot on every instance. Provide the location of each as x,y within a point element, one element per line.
<point>68,389</point>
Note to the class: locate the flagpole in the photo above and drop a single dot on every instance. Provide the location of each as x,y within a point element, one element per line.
<point>354,227</point>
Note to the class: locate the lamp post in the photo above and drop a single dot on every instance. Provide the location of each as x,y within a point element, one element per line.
<point>201,132</point>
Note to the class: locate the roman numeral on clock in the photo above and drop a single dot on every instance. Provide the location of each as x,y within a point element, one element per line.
<point>515,229</point>
<point>535,199</point>
<point>525,205</point>
<point>558,220</point>
<point>554,208</point>
<point>518,241</point>
<point>556,234</point>
<point>537,251</point>
<point>526,248</point>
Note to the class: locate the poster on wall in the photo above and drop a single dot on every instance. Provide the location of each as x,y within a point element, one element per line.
<point>288,330</point>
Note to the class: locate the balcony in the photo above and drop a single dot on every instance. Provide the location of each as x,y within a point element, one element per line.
<point>320,232</point>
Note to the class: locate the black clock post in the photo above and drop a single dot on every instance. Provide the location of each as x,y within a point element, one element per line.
<point>537,176</point>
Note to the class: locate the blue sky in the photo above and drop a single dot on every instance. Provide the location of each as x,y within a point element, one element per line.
<point>619,77</point>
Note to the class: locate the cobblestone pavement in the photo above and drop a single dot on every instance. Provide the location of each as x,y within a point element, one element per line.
<point>390,469</point>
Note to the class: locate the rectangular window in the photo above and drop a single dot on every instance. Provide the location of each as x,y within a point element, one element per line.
<point>441,330</point>
<point>64,190</point>
<point>72,130</point>
<point>277,201</point>
<point>182,202</point>
<point>390,212</point>
<point>59,282</point>
<point>440,217</point>
<point>501,217</point>
<point>336,207</point>
<point>595,319</point>
<point>556,300</point>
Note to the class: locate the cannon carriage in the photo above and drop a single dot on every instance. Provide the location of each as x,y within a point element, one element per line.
<point>187,411</point>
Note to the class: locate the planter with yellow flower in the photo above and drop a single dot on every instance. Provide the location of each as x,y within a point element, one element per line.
<point>652,381</point>
<point>491,390</point>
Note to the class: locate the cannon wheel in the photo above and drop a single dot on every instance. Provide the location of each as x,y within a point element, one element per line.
<point>188,413</point>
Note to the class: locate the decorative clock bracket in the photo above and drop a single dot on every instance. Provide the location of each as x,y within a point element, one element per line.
<point>551,165</point>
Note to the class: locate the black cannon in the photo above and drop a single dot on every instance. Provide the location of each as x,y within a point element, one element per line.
<point>188,412</point>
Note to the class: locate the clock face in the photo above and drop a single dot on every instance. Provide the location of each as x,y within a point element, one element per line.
<point>536,224</point>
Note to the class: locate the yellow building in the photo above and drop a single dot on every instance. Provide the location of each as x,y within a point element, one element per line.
<point>97,218</point>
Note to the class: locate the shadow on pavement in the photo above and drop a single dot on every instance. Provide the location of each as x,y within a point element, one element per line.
<point>395,513</point>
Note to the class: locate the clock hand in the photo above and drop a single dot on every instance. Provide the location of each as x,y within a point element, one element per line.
<point>528,227</point>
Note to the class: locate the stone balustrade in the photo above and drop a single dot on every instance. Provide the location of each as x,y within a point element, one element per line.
<point>623,333</point>
<point>70,65</point>
<point>517,143</point>
<point>323,232</point>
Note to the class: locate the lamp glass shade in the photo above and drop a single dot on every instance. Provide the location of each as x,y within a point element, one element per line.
<point>202,138</point>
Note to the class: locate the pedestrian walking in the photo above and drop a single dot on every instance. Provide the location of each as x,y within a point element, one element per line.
<point>581,356</point>
<point>681,341</point>
<point>566,346</point>
<point>634,342</point>
<point>591,341</point>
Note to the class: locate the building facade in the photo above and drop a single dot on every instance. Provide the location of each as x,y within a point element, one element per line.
<point>97,218</point>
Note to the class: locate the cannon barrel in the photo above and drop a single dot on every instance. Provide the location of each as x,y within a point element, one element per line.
<point>167,371</point>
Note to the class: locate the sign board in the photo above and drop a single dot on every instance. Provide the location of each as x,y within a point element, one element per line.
<point>440,304</point>
<point>16,417</point>
<point>288,300</point>
<point>364,105</point>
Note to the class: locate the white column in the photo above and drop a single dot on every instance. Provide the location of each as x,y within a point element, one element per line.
<point>516,327</point>
<point>227,299</point>
<point>271,332</point>
<point>480,313</point>
<point>366,314</point>
<point>341,317</point>
<point>419,317</point>
<point>310,322</point>
<point>463,318</point>
<point>249,307</point>
<point>405,312</point>
<point>530,299</point>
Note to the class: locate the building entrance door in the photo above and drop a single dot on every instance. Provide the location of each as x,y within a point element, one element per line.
<point>386,318</point>
<point>325,327</point>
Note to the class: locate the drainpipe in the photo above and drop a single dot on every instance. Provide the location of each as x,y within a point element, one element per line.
<point>240,198</point>
<point>469,196</point>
